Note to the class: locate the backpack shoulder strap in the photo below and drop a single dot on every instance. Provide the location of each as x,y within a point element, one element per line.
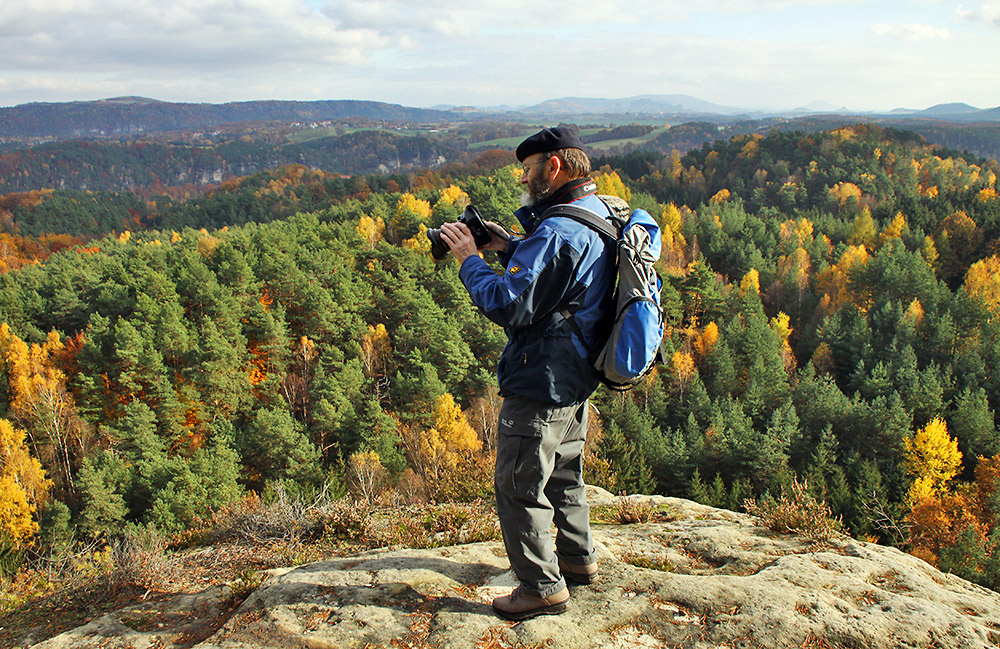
<point>609,229</point>
<point>588,218</point>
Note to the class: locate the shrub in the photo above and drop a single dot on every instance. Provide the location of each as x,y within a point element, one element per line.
<point>797,513</point>
<point>282,517</point>
<point>634,510</point>
<point>442,525</point>
<point>140,558</point>
<point>655,562</point>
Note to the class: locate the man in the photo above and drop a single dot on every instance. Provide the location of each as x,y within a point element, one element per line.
<point>560,268</point>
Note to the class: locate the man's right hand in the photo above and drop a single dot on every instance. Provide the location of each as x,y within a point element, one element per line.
<point>500,237</point>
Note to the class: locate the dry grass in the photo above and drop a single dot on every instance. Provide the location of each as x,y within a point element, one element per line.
<point>654,562</point>
<point>635,510</point>
<point>61,590</point>
<point>233,547</point>
<point>630,510</point>
<point>797,512</point>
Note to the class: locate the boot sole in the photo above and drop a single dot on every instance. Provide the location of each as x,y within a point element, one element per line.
<point>580,579</point>
<point>554,609</point>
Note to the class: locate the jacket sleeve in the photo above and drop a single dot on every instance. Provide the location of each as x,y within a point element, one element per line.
<point>539,272</point>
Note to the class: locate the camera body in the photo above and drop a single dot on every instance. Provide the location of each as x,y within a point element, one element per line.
<point>473,220</point>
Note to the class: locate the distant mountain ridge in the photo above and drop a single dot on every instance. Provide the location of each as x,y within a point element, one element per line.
<point>642,104</point>
<point>128,116</point>
<point>135,115</point>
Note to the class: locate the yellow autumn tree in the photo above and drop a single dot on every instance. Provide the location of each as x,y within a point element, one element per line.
<point>444,452</point>
<point>894,230</point>
<point>720,196</point>
<point>781,325</point>
<point>411,214</point>
<point>418,242</point>
<point>371,230</point>
<point>794,269</point>
<point>673,240</point>
<point>796,232</point>
<point>683,368</point>
<point>823,359</point>
<point>750,282</point>
<point>375,349</point>
<point>982,281</point>
<point>932,458</point>
<point>366,477</point>
<point>40,402</point>
<point>672,217</point>
<point>832,280</point>
<point>610,183</point>
<point>913,316</point>
<point>23,487</point>
<point>452,195</point>
<point>705,341</point>
<point>864,230</point>
<point>411,205</point>
<point>449,204</point>
<point>844,193</point>
<point>928,250</point>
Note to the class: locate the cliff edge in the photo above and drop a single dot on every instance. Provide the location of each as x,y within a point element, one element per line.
<point>704,578</point>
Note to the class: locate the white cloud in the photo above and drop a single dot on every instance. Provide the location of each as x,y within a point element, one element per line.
<point>911,31</point>
<point>988,13</point>
<point>137,34</point>
<point>735,52</point>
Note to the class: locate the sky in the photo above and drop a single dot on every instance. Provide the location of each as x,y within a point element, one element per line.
<point>760,54</point>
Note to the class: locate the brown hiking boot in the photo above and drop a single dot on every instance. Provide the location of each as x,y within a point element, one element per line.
<point>519,605</point>
<point>578,573</point>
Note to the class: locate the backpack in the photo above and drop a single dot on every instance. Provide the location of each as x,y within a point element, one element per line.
<point>635,333</point>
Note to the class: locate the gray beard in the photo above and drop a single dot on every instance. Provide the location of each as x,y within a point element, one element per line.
<point>535,195</point>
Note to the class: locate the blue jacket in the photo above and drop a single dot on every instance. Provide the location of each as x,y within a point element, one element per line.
<point>560,265</point>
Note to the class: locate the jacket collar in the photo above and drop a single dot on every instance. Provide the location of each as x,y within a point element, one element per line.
<point>571,191</point>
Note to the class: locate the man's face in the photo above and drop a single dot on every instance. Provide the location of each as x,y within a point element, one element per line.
<point>535,178</point>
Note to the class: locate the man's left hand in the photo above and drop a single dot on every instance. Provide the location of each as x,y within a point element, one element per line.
<point>459,239</point>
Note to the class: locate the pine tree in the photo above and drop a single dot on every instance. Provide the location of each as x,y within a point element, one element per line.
<point>972,421</point>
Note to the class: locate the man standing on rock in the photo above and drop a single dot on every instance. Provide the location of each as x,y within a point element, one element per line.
<point>552,301</point>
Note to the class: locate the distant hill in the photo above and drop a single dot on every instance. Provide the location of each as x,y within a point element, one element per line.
<point>137,115</point>
<point>950,109</point>
<point>640,105</point>
<point>959,112</point>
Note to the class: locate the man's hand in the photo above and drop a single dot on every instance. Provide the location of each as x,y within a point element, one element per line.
<point>501,238</point>
<point>459,239</point>
<point>462,243</point>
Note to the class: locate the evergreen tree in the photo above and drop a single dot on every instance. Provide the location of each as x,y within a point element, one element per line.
<point>973,424</point>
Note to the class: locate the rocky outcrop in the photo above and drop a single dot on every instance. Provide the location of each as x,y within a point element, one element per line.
<point>704,578</point>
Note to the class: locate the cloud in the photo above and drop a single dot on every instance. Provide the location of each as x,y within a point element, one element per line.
<point>911,32</point>
<point>988,13</point>
<point>137,34</point>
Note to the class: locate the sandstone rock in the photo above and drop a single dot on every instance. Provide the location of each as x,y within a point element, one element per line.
<point>706,578</point>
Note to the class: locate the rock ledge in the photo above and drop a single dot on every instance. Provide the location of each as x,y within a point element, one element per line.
<point>711,579</point>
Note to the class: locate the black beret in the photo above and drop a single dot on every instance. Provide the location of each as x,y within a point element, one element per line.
<point>549,139</point>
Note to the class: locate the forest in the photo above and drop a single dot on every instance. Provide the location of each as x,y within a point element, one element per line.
<point>831,303</point>
<point>193,161</point>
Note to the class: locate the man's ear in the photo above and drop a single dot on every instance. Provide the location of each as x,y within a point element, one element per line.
<point>557,166</point>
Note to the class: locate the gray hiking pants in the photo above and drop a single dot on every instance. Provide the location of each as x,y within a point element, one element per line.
<point>539,480</point>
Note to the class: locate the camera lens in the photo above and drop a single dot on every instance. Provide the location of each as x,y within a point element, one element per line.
<point>439,249</point>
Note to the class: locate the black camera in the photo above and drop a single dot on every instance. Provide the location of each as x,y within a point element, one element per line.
<point>473,220</point>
